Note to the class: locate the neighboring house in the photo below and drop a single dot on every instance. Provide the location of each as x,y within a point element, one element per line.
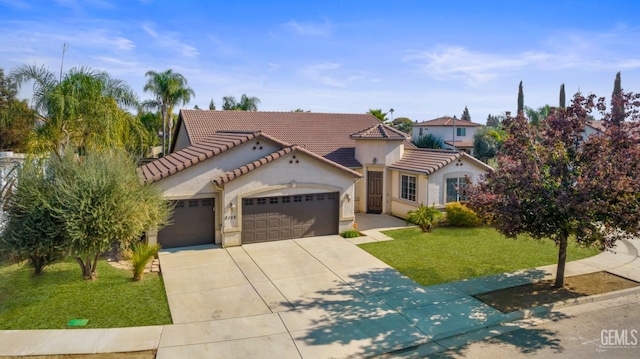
<point>443,128</point>
<point>242,177</point>
<point>592,127</point>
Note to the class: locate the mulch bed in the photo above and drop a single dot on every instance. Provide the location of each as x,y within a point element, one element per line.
<point>543,292</point>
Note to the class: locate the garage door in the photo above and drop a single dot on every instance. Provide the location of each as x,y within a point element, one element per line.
<point>286,217</point>
<point>193,224</point>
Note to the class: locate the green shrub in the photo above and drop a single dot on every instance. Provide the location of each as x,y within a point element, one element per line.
<point>461,216</point>
<point>140,254</point>
<point>352,233</point>
<point>424,217</point>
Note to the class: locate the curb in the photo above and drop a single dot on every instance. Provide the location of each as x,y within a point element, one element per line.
<point>499,327</point>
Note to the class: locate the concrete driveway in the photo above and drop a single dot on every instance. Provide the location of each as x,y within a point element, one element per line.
<point>311,297</point>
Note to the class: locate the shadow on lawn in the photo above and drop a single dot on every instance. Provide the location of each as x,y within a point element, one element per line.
<point>381,311</point>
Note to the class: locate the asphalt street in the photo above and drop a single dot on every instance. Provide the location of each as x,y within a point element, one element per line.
<point>609,329</point>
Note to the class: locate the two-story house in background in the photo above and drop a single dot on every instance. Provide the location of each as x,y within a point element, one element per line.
<point>454,133</point>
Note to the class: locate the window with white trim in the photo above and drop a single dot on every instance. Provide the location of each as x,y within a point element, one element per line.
<point>461,131</point>
<point>456,190</point>
<point>408,187</point>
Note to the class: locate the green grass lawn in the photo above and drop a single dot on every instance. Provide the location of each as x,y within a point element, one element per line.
<point>448,254</point>
<point>59,294</point>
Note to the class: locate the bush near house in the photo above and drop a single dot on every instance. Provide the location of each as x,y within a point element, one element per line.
<point>424,217</point>
<point>460,215</point>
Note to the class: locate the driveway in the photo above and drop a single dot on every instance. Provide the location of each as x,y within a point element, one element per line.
<point>310,297</point>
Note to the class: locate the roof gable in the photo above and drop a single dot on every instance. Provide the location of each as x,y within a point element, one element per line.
<point>208,147</point>
<point>252,166</point>
<point>380,132</point>
<point>428,161</point>
<point>447,121</point>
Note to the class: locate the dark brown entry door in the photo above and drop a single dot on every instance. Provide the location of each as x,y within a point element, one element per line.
<point>374,192</point>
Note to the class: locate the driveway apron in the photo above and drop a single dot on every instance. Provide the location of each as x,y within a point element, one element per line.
<point>310,297</point>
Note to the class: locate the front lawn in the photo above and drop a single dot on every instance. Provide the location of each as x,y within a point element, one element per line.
<point>59,294</point>
<point>449,254</point>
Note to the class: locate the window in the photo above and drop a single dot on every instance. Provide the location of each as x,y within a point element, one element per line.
<point>180,204</point>
<point>320,197</point>
<point>308,197</point>
<point>420,131</point>
<point>248,201</point>
<point>262,201</point>
<point>193,203</point>
<point>273,200</point>
<point>207,203</point>
<point>297,198</point>
<point>461,131</point>
<point>286,199</point>
<point>408,187</point>
<point>456,189</point>
<point>331,196</point>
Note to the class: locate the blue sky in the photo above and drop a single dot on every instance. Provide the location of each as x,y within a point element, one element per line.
<point>424,59</point>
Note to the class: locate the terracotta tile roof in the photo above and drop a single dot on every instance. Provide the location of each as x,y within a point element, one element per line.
<point>208,147</point>
<point>380,131</point>
<point>326,134</point>
<point>466,144</point>
<point>231,175</point>
<point>597,125</point>
<point>447,121</point>
<point>428,161</point>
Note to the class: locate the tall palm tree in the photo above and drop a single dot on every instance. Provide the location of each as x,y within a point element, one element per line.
<point>81,108</point>
<point>170,89</point>
<point>377,113</point>
<point>246,103</point>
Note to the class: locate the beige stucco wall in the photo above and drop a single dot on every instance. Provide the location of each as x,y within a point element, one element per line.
<point>307,175</point>
<point>399,206</point>
<point>384,151</point>
<point>458,168</point>
<point>431,189</point>
<point>195,181</point>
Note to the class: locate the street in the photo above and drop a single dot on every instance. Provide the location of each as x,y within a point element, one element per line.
<point>606,329</point>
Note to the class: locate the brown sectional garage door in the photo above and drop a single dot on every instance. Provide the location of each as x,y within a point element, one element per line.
<point>286,217</point>
<point>193,224</point>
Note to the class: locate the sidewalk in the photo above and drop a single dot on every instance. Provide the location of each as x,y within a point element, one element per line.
<point>440,316</point>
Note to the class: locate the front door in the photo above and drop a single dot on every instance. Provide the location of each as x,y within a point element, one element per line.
<point>374,192</point>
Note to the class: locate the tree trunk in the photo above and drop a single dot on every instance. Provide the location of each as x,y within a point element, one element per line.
<point>85,266</point>
<point>164,130</point>
<point>562,260</point>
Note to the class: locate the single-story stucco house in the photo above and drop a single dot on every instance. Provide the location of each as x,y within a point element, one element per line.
<point>243,177</point>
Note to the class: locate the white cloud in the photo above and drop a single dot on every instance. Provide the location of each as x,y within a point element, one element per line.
<point>309,28</point>
<point>332,74</point>
<point>170,40</point>
<point>458,63</point>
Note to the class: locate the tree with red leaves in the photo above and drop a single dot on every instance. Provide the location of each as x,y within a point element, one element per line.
<point>554,182</point>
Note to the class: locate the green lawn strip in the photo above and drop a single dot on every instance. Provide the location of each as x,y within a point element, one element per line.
<point>449,254</point>
<point>51,299</point>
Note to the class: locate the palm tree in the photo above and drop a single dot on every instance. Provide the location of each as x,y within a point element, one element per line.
<point>377,113</point>
<point>170,89</point>
<point>81,108</point>
<point>246,103</point>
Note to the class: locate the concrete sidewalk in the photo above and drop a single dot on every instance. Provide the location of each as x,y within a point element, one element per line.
<point>312,298</point>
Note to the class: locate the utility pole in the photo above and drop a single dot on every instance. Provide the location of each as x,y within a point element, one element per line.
<point>454,133</point>
<point>64,50</point>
